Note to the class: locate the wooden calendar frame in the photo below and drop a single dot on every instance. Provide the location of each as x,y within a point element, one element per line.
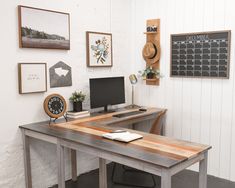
<point>203,33</point>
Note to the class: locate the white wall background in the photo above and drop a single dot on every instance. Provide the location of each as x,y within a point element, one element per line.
<point>104,16</point>
<point>200,110</point>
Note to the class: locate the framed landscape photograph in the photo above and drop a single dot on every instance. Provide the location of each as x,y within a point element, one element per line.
<point>39,28</point>
<point>32,77</point>
<point>99,49</point>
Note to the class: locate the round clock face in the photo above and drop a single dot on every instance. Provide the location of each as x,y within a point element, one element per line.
<point>55,105</point>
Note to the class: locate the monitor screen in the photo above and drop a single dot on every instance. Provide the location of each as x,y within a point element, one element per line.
<point>107,91</point>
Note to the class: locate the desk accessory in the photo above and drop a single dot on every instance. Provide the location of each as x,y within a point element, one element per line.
<point>127,114</point>
<point>77,98</point>
<point>122,136</point>
<point>55,107</point>
<point>118,131</point>
<point>143,109</point>
<point>75,115</point>
<point>133,80</point>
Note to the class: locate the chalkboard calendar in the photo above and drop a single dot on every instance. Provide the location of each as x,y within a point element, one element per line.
<point>200,54</point>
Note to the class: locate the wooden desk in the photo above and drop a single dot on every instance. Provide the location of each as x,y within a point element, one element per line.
<point>158,155</point>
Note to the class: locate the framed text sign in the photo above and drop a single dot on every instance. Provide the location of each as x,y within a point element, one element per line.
<point>204,55</point>
<point>32,77</point>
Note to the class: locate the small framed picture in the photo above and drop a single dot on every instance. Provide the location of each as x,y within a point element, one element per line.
<point>99,49</point>
<point>40,28</point>
<point>32,77</point>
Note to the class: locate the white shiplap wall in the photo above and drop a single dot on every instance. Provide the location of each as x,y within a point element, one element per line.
<point>200,110</point>
<point>89,15</point>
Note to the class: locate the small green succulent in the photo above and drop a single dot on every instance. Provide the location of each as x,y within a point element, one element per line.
<point>77,97</point>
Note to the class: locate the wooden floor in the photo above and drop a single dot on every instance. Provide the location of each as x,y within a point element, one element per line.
<point>185,179</point>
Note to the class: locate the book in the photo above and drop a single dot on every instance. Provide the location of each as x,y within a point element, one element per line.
<point>72,113</point>
<point>78,116</point>
<point>122,136</point>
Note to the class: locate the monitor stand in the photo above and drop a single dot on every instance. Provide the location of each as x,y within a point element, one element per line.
<point>106,110</point>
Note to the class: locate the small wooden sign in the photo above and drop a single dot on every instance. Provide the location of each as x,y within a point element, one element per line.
<point>152,50</point>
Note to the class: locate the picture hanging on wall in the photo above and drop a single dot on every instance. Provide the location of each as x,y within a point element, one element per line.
<point>39,28</point>
<point>32,77</point>
<point>99,49</point>
<point>60,75</point>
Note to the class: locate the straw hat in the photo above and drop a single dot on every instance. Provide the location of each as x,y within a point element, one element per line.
<point>151,52</point>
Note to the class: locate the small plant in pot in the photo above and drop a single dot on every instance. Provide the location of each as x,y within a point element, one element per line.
<point>150,73</point>
<point>77,98</point>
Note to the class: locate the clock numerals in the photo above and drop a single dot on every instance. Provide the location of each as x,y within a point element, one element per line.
<point>55,105</point>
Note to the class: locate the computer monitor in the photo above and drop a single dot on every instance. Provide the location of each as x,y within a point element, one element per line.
<point>107,91</point>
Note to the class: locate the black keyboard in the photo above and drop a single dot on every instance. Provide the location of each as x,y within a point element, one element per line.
<point>127,114</point>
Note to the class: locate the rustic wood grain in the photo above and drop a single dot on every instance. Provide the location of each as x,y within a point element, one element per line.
<point>153,149</point>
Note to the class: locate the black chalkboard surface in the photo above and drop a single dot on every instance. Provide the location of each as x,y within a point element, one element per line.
<point>205,54</point>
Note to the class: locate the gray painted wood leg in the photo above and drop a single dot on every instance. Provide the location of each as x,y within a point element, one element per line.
<point>60,165</point>
<point>27,165</point>
<point>74,164</point>
<point>203,172</point>
<point>102,173</point>
<point>166,179</point>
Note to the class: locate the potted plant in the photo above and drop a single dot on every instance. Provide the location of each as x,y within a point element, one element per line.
<point>77,98</point>
<point>150,73</point>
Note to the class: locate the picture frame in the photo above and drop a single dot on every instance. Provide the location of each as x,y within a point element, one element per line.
<point>32,77</point>
<point>44,29</point>
<point>99,49</point>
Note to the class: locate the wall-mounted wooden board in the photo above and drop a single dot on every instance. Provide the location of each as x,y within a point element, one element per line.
<point>204,55</point>
<point>153,37</point>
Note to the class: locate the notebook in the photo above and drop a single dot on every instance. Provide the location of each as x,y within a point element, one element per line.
<point>123,136</point>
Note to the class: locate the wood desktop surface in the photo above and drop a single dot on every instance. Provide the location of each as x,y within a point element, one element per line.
<point>154,149</point>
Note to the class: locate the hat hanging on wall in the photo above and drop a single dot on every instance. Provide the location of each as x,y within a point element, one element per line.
<point>151,52</point>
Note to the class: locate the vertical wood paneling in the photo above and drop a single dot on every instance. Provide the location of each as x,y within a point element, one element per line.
<point>169,81</point>
<point>178,84</point>
<point>216,99</point>
<point>196,83</point>
<point>200,110</point>
<point>227,104</point>
<point>187,86</point>
<point>228,134</point>
<point>206,84</point>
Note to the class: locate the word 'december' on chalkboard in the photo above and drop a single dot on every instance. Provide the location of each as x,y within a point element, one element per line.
<point>201,55</point>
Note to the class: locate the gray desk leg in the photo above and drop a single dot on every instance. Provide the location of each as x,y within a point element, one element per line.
<point>60,165</point>
<point>102,173</point>
<point>166,179</point>
<point>203,172</point>
<point>27,165</point>
<point>74,164</point>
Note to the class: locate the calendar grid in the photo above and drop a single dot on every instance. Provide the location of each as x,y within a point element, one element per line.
<point>200,54</point>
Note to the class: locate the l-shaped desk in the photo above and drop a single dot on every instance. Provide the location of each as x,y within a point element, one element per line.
<point>155,154</point>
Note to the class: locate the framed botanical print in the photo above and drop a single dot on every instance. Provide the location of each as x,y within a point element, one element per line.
<point>99,49</point>
<point>32,77</point>
<point>40,28</point>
